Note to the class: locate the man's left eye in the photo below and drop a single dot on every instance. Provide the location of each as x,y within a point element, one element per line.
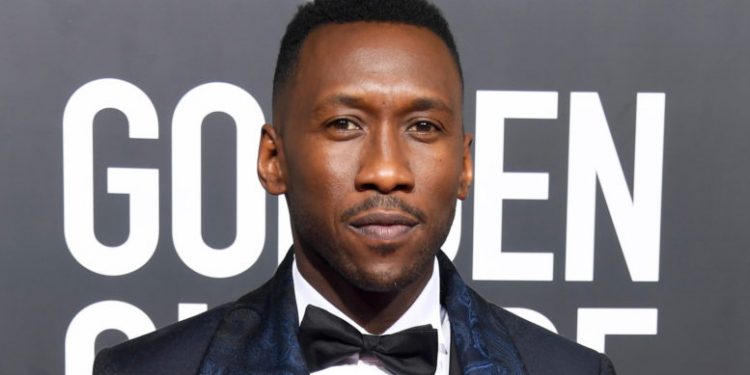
<point>343,124</point>
<point>423,127</point>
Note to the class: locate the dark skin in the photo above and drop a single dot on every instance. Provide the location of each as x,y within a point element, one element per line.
<point>369,148</point>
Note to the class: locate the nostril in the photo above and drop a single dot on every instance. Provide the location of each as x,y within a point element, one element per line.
<point>384,167</point>
<point>365,187</point>
<point>385,184</point>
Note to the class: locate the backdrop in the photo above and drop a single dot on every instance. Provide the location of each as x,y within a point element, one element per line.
<point>610,203</point>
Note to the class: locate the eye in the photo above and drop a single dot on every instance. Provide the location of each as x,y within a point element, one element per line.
<point>423,127</point>
<point>343,124</point>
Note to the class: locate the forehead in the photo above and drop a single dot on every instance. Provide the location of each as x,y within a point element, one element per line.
<point>361,56</point>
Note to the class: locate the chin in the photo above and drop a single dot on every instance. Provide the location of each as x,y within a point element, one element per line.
<point>387,276</point>
<point>381,282</point>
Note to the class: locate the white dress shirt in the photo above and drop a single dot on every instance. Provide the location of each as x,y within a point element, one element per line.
<point>426,309</point>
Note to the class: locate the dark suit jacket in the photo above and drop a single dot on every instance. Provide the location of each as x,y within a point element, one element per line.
<point>257,334</point>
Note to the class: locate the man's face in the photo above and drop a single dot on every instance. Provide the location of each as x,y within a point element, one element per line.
<point>372,155</point>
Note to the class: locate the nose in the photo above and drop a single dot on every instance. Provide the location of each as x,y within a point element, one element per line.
<point>384,163</point>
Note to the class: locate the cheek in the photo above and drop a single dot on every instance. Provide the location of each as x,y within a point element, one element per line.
<point>337,178</point>
<point>437,175</point>
<point>323,174</point>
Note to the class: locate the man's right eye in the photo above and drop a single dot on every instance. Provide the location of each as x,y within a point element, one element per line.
<point>343,124</point>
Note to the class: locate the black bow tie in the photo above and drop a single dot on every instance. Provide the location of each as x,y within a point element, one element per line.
<point>327,339</point>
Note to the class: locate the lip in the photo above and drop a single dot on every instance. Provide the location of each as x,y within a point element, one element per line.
<point>383,226</point>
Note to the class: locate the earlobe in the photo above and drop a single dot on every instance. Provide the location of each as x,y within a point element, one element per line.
<point>271,161</point>
<point>467,173</point>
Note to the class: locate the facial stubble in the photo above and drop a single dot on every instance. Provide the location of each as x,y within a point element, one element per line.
<point>319,243</point>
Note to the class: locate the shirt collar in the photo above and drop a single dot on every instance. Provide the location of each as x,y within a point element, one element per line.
<point>426,309</point>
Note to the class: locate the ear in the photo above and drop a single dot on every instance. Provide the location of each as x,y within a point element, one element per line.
<point>271,162</point>
<point>467,173</point>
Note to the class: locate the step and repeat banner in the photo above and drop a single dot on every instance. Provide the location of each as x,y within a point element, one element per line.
<point>610,202</point>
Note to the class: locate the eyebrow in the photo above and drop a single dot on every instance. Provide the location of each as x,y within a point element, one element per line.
<point>416,105</point>
<point>426,104</point>
<point>344,99</point>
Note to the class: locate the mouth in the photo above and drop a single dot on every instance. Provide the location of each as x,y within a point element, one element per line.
<point>383,226</point>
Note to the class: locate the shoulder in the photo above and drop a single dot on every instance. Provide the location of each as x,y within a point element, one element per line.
<point>177,348</point>
<point>541,351</point>
<point>544,352</point>
<point>180,348</point>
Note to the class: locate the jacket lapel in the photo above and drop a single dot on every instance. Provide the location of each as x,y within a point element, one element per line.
<point>259,334</point>
<point>483,344</point>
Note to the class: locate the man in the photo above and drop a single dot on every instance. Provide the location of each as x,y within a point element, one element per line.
<point>369,148</point>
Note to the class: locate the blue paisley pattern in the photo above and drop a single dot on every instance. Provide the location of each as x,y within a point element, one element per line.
<point>484,344</point>
<point>259,334</point>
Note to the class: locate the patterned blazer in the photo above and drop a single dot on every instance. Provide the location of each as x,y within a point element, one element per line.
<point>257,334</point>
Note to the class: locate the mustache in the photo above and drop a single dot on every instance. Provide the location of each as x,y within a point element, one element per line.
<point>383,201</point>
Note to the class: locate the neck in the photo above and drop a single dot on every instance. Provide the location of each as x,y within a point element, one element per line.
<point>375,311</point>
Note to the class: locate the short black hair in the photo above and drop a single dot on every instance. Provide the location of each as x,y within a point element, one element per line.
<point>321,12</point>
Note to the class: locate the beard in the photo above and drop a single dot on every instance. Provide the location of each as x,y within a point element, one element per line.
<point>319,242</point>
